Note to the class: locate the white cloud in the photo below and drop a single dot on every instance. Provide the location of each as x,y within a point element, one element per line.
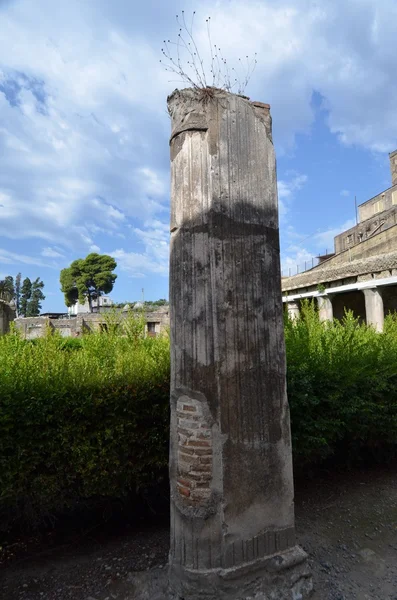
<point>10,258</point>
<point>83,122</point>
<point>72,127</point>
<point>52,253</point>
<point>345,193</point>
<point>154,259</point>
<point>138,264</point>
<point>344,51</point>
<point>297,261</point>
<point>286,189</point>
<point>303,251</point>
<point>324,240</point>
<point>152,184</point>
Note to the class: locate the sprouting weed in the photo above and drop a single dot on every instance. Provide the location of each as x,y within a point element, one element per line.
<point>183,58</point>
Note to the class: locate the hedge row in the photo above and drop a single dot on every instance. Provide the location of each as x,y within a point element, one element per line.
<point>81,419</point>
<point>342,388</point>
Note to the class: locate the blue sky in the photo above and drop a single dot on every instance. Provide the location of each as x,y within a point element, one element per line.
<point>84,159</point>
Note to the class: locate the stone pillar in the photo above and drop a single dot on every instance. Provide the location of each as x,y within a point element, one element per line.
<point>7,315</point>
<point>293,310</point>
<point>3,318</point>
<point>325,308</point>
<point>374,308</point>
<point>393,167</point>
<point>232,498</point>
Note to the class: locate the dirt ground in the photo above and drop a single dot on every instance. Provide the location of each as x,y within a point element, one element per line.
<point>346,522</point>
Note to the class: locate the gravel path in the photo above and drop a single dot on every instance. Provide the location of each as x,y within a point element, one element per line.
<point>346,522</point>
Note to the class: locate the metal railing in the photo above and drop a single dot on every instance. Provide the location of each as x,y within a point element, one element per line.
<point>306,265</point>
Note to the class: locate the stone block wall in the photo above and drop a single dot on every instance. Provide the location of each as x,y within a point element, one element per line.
<point>383,242</point>
<point>34,327</point>
<point>385,199</point>
<point>368,230</point>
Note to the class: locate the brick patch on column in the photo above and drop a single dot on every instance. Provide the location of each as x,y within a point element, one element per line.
<point>194,452</point>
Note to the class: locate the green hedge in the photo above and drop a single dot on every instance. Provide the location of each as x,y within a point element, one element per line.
<point>90,421</point>
<point>342,388</point>
<point>88,418</point>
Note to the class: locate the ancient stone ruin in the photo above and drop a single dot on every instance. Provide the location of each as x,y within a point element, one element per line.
<point>7,316</point>
<point>232,498</point>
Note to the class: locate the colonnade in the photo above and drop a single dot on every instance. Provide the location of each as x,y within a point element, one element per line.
<point>374,307</point>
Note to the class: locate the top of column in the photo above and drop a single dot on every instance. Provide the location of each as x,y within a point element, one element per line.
<point>192,108</point>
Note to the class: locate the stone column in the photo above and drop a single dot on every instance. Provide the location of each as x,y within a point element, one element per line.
<point>374,308</point>
<point>293,310</point>
<point>325,308</point>
<point>232,499</point>
<point>7,315</point>
<point>393,167</point>
<point>3,318</point>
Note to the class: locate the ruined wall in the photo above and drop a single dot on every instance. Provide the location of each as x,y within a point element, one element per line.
<point>33,327</point>
<point>66,327</point>
<point>160,320</point>
<point>7,315</point>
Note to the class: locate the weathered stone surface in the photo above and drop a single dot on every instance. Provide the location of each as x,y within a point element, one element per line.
<point>33,327</point>
<point>284,576</point>
<point>325,308</point>
<point>7,315</point>
<point>230,452</point>
<point>393,167</point>
<point>293,310</point>
<point>374,308</point>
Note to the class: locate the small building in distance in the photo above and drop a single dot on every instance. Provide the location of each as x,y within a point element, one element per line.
<point>374,216</point>
<point>102,302</point>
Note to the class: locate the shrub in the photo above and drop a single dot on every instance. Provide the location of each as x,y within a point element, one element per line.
<point>79,424</point>
<point>70,344</point>
<point>87,418</point>
<point>342,387</point>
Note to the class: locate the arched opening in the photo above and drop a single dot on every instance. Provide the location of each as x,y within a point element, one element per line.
<point>353,301</point>
<point>389,295</point>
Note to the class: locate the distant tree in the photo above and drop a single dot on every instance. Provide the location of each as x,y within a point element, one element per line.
<point>152,305</point>
<point>88,279</point>
<point>3,290</point>
<point>7,290</point>
<point>17,296</point>
<point>26,293</point>
<point>37,296</point>
<point>27,298</point>
<point>161,302</point>
<point>68,279</point>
